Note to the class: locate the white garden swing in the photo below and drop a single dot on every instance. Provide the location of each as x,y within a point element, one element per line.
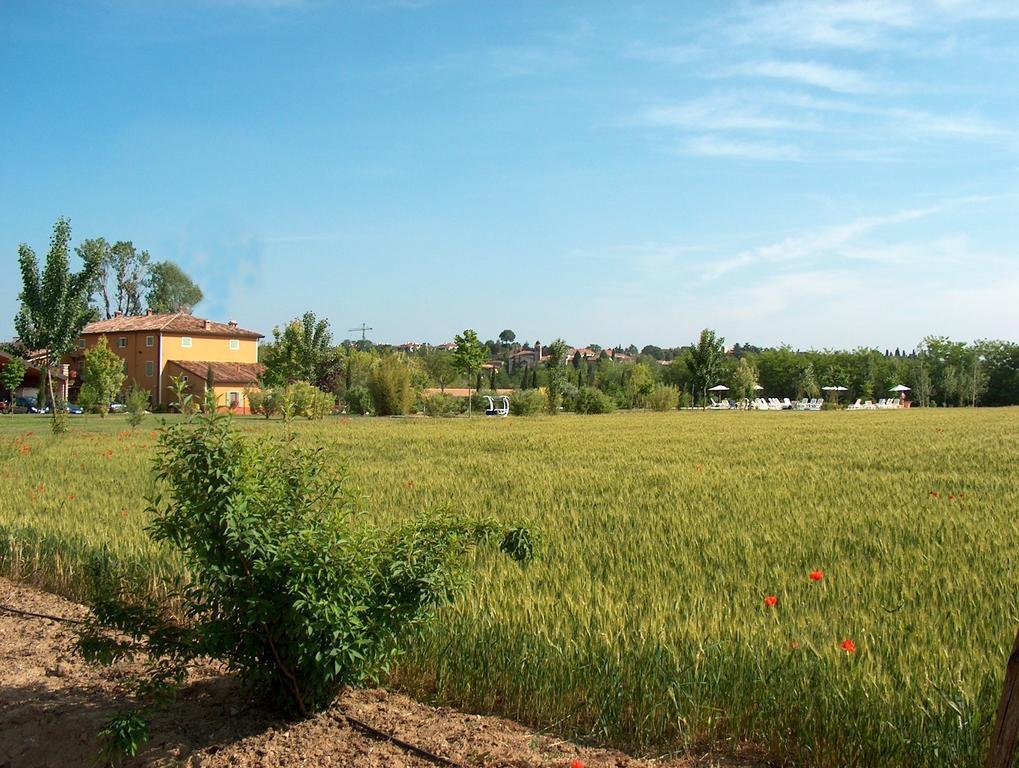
<point>502,409</point>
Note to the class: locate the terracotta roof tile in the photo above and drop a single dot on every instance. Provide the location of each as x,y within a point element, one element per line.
<point>171,322</point>
<point>223,373</point>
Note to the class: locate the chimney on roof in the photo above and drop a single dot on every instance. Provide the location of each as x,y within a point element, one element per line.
<point>232,323</point>
<point>208,325</point>
<point>118,313</point>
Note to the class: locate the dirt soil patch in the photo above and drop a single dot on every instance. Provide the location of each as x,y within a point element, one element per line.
<point>52,705</point>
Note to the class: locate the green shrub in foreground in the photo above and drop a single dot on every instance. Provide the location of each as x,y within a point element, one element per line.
<point>440,405</point>
<point>592,400</point>
<point>663,398</point>
<point>526,402</point>
<point>287,585</point>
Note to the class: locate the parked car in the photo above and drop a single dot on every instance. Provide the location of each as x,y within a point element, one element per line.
<point>117,408</point>
<point>74,410</point>
<point>28,405</point>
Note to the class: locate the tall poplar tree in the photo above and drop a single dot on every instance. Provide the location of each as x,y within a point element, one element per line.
<point>54,302</point>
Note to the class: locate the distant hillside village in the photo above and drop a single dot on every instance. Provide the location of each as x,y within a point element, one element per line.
<point>123,325</point>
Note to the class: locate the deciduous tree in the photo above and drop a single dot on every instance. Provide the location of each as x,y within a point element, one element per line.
<point>555,367</point>
<point>54,302</point>
<point>470,354</point>
<point>297,351</point>
<point>11,376</point>
<point>706,361</point>
<point>102,375</point>
<point>170,289</point>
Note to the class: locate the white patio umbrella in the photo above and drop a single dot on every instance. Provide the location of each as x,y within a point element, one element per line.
<point>902,389</point>
<point>717,388</point>
<point>836,390</point>
<point>758,387</point>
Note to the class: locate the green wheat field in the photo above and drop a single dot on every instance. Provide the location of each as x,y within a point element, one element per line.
<point>644,624</point>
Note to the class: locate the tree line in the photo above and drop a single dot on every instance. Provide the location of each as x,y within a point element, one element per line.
<point>939,372</point>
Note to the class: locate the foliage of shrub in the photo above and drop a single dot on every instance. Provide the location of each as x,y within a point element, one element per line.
<point>297,399</point>
<point>526,402</point>
<point>285,584</point>
<point>308,400</point>
<point>359,400</point>
<point>593,400</point>
<point>259,401</point>
<point>440,405</point>
<point>663,398</point>
<point>137,401</point>
<point>391,391</point>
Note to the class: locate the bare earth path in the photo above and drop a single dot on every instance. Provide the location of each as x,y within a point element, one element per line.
<point>52,705</point>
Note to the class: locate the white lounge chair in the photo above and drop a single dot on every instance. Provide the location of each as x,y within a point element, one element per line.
<point>857,406</point>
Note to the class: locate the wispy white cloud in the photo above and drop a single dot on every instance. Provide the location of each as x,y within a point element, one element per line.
<point>664,54</point>
<point>722,113</point>
<point>853,24</point>
<point>716,146</point>
<point>807,72</point>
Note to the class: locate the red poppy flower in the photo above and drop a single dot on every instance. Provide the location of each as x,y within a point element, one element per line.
<point>794,645</point>
<point>816,575</point>
<point>771,601</point>
<point>951,498</point>
<point>934,494</point>
<point>848,646</point>
<point>577,764</point>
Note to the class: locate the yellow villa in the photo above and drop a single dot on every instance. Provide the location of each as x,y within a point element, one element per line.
<point>159,347</point>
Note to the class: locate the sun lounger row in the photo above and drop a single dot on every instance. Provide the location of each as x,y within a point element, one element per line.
<point>882,404</point>
<point>809,404</point>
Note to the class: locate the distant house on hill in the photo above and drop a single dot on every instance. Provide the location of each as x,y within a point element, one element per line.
<point>157,347</point>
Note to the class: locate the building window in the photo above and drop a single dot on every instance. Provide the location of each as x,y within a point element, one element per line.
<point>185,342</point>
<point>235,344</point>
<point>150,368</point>
<point>233,400</point>
<point>81,343</point>
<point>150,341</point>
<point>122,342</point>
<point>184,378</point>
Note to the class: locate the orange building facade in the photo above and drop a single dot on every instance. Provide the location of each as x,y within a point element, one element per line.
<point>157,347</point>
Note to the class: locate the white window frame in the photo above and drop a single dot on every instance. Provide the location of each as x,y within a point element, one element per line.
<point>150,341</point>
<point>235,344</point>
<point>232,397</point>
<point>122,342</point>
<point>150,368</point>
<point>185,342</point>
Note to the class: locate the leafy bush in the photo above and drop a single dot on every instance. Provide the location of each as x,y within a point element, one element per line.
<point>663,398</point>
<point>569,396</point>
<point>359,401</point>
<point>440,405</point>
<point>285,584</point>
<point>137,401</point>
<point>308,400</point>
<point>593,400</point>
<point>526,402</point>
<point>259,401</point>
<point>390,387</point>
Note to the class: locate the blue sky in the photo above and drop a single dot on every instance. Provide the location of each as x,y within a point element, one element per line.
<point>819,174</point>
